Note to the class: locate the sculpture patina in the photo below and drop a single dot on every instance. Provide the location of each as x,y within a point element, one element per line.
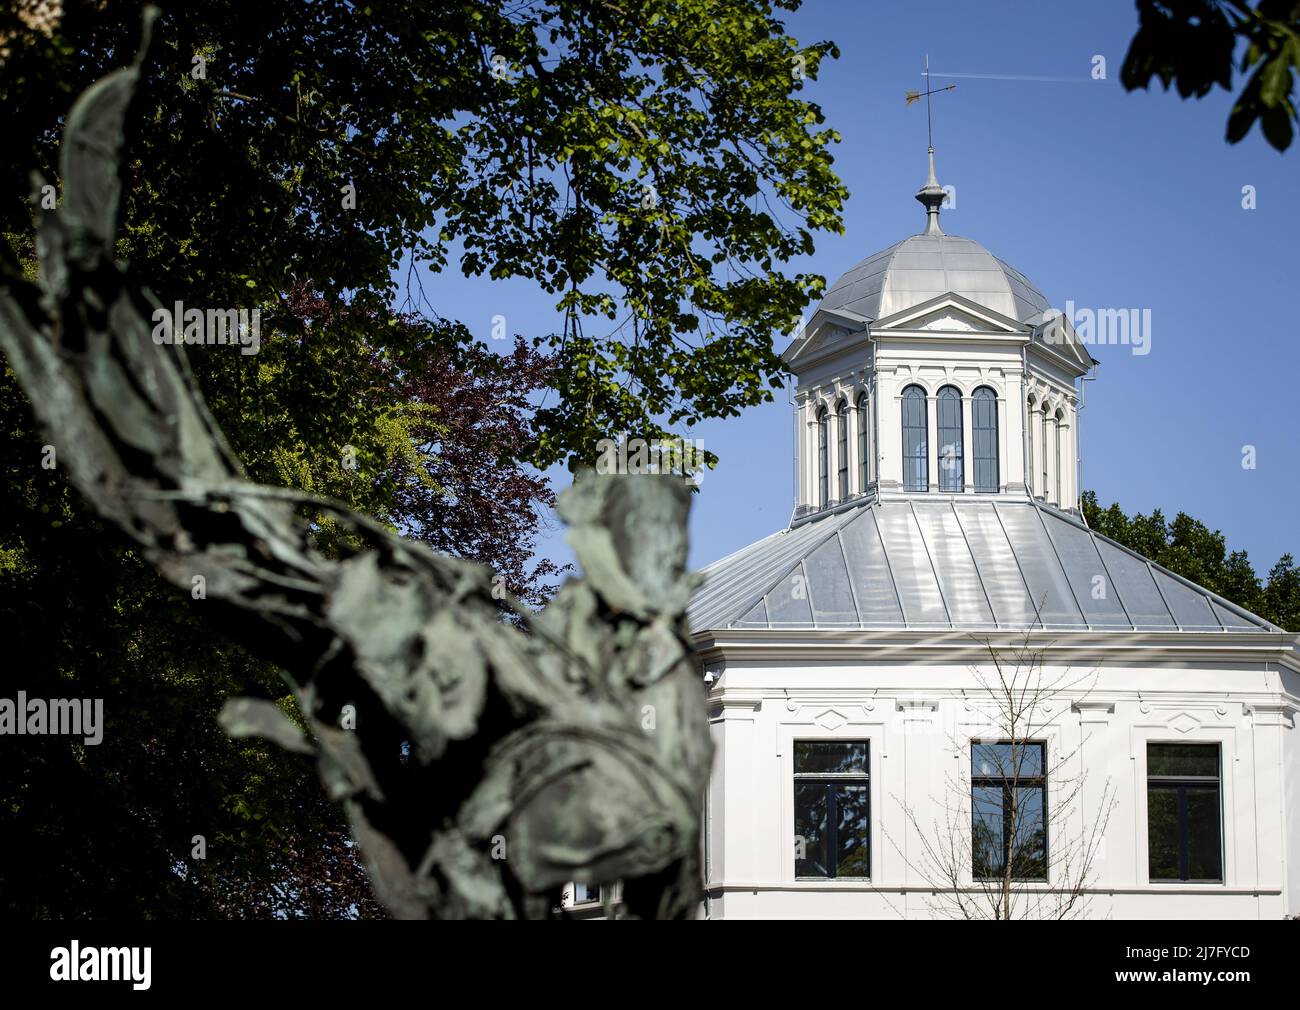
<point>489,763</point>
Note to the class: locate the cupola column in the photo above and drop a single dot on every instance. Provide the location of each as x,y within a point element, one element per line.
<point>1069,462</point>
<point>967,445</point>
<point>933,449</point>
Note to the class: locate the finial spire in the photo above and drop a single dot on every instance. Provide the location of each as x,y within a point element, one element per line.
<point>932,196</point>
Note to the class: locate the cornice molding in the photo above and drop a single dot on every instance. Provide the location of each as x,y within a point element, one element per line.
<point>1150,647</point>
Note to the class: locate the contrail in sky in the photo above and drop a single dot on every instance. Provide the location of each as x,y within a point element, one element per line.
<point>1016,77</point>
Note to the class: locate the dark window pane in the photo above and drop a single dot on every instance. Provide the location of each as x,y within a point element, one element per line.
<point>826,756</point>
<point>823,459</point>
<point>1047,449</point>
<point>1204,851</point>
<point>851,806</point>
<point>843,447</point>
<point>1162,832</point>
<point>1182,759</point>
<point>1009,810</point>
<point>831,815</point>
<point>1029,835</point>
<point>810,825</point>
<point>984,432</point>
<point>1005,760</point>
<point>951,472</point>
<point>986,831</point>
<point>1184,817</point>
<point>1029,447</point>
<point>916,459</point>
<point>863,453</point>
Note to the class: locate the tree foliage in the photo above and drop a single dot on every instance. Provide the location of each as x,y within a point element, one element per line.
<point>651,164</point>
<point>481,765</point>
<point>1196,45</point>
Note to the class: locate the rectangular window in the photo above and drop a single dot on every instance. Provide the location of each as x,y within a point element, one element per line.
<point>583,893</point>
<point>832,807</point>
<point>1008,811</point>
<point>1184,818</point>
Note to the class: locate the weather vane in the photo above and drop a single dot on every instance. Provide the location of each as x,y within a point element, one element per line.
<point>916,96</point>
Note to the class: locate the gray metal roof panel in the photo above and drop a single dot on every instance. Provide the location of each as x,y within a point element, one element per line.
<point>959,564</point>
<point>998,569</point>
<point>922,267</point>
<point>950,555</point>
<point>874,589</point>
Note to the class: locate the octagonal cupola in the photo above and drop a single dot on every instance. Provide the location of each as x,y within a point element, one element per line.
<point>935,368</point>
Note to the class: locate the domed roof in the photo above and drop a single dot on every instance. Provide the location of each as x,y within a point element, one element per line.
<point>923,266</point>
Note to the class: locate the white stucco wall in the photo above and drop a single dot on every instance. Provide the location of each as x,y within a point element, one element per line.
<point>911,711</point>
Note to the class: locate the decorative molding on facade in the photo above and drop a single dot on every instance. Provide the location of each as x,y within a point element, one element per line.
<point>1094,710</point>
<point>1273,713</point>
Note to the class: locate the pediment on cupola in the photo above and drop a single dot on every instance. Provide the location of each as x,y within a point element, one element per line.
<point>948,313</point>
<point>828,332</point>
<point>1055,334</point>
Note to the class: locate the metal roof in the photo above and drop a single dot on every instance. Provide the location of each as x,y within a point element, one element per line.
<point>951,564</point>
<point>924,266</point>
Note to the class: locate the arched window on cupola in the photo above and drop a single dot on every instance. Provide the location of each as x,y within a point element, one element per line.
<point>951,463</point>
<point>1060,457</point>
<point>823,460</point>
<point>1045,443</point>
<point>1030,479</point>
<point>984,433</point>
<point>842,449</point>
<point>864,472</point>
<point>916,456</point>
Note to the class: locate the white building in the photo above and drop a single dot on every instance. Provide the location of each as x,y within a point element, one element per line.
<point>863,766</point>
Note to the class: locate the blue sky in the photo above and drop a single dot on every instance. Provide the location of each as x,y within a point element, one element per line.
<point>1105,198</point>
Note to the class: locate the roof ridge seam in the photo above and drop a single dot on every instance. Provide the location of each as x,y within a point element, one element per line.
<point>784,571</point>
<point>930,559</point>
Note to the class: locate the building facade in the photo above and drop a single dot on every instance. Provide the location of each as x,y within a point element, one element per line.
<point>937,692</point>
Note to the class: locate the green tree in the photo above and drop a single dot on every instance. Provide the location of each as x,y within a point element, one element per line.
<point>1282,594</point>
<point>651,165</point>
<point>1190,548</point>
<point>1195,45</point>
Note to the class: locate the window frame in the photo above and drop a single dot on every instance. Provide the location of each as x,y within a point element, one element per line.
<point>982,395</point>
<point>921,451</point>
<point>1046,457</point>
<point>1020,782</point>
<point>864,448</point>
<point>949,482</point>
<point>1029,448</point>
<point>823,459</point>
<point>830,779</point>
<point>1181,783</point>
<point>842,448</point>
<point>1056,437</point>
